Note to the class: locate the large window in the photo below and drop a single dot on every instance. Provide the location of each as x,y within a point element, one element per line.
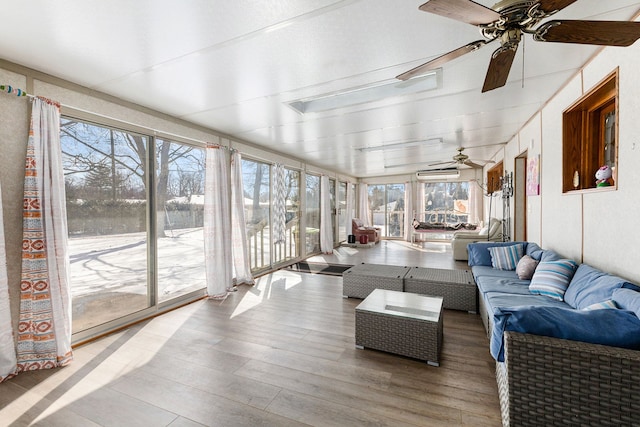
<point>446,202</point>
<point>257,190</point>
<point>332,207</point>
<point>290,248</point>
<point>114,238</point>
<point>106,190</point>
<point>312,214</point>
<point>342,212</point>
<point>387,208</point>
<point>180,218</point>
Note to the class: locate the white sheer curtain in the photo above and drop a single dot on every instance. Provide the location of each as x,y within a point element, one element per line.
<point>475,203</point>
<point>8,361</point>
<point>408,210</point>
<point>363,204</point>
<point>44,331</point>
<point>240,244</point>
<point>420,202</point>
<point>217,224</point>
<point>349,207</point>
<point>279,208</point>
<point>326,229</point>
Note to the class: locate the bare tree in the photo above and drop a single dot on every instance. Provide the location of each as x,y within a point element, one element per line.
<point>117,159</point>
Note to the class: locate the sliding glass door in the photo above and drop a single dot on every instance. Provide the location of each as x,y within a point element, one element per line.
<point>115,239</point>
<point>312,214</point>
<point>256,180</point>
<point>387,208</point>
<point>290,248</point>
<point>179,233</point>
<point>107,190</point>
<point>342,212</point>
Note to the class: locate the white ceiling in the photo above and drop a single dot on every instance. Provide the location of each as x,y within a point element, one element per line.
<point>234,65</point>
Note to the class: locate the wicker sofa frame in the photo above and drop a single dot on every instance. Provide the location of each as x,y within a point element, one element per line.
<point>548,381</point>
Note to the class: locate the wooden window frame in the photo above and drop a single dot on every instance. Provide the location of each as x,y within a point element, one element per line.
<point>494,178</point>
<point>583,136</point>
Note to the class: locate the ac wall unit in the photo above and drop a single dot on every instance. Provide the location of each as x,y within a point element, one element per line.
<point>435,174</point>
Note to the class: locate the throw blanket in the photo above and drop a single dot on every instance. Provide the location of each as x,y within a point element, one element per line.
<point>442,226</point>
<point>612,327</point>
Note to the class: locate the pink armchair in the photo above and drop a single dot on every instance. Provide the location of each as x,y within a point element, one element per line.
<point>358,229</point>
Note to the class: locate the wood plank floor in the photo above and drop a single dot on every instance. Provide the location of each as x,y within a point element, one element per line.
<point>279,353</point>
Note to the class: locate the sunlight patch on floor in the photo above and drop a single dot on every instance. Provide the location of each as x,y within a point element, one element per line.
<point>123,360</point>
<point>261,291</point>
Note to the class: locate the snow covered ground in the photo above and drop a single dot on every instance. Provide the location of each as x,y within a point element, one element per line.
<point>109,273</point>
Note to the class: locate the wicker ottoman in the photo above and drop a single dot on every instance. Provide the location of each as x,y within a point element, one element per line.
<point>360,280</point>
<point>457,287</point>
<point>401,323</point>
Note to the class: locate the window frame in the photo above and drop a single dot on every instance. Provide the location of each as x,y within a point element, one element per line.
<point>583,137</point>
<point>155,304</point>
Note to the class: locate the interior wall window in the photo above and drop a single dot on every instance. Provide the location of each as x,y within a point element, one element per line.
<point>257,192</point>
<point>494,178</point>
<point>589,139</point>
<point>291,247</point>
<point>106,185</point>
<point>180,175</point>
<point>312,214</point>
<point>386,202</point>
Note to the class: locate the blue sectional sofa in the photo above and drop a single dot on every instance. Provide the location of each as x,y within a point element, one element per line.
<point>565,336</point>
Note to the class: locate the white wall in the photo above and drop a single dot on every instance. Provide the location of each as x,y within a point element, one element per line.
<point>598,228</point>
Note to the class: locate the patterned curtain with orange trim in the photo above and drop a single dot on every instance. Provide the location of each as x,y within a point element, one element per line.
<point>44,329</point>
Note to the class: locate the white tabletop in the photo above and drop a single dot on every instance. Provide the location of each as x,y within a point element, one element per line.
<point>404,304</point>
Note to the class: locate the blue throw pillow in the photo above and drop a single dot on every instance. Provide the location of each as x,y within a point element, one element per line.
<point>506,257</point>
<point>479,252</point>
<point>534,251</point>
<point>627,299</point>
<point>549,255</point>
<point>590,286</point>
<point>592,326</point>
<point>552,278</point>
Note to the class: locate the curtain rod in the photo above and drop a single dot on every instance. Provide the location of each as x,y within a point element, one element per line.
<point>18,92</point>
<point>21,93</point>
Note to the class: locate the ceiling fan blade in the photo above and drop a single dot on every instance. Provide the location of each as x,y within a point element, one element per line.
<point>552,6</point>
<point>441,163</point>
<point>443,59</point>
<point>462,10</point>
<point>473,164</point>
<point>499,68</point>
<point>605,33</point>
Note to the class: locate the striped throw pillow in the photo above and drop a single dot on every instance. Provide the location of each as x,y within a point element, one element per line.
<point>506,257</point>
<point>602,305</point>
<point>552,278</point>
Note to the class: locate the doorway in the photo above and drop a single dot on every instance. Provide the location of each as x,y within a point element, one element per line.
<point>520,198</point>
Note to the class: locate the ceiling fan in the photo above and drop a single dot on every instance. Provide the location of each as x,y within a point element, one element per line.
<point>508,19</point>
<point>461,159</point>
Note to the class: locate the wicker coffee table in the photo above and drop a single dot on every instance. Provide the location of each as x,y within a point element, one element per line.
<point>401,323</point>
<point>457,287</point>
<point>361,279</point>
